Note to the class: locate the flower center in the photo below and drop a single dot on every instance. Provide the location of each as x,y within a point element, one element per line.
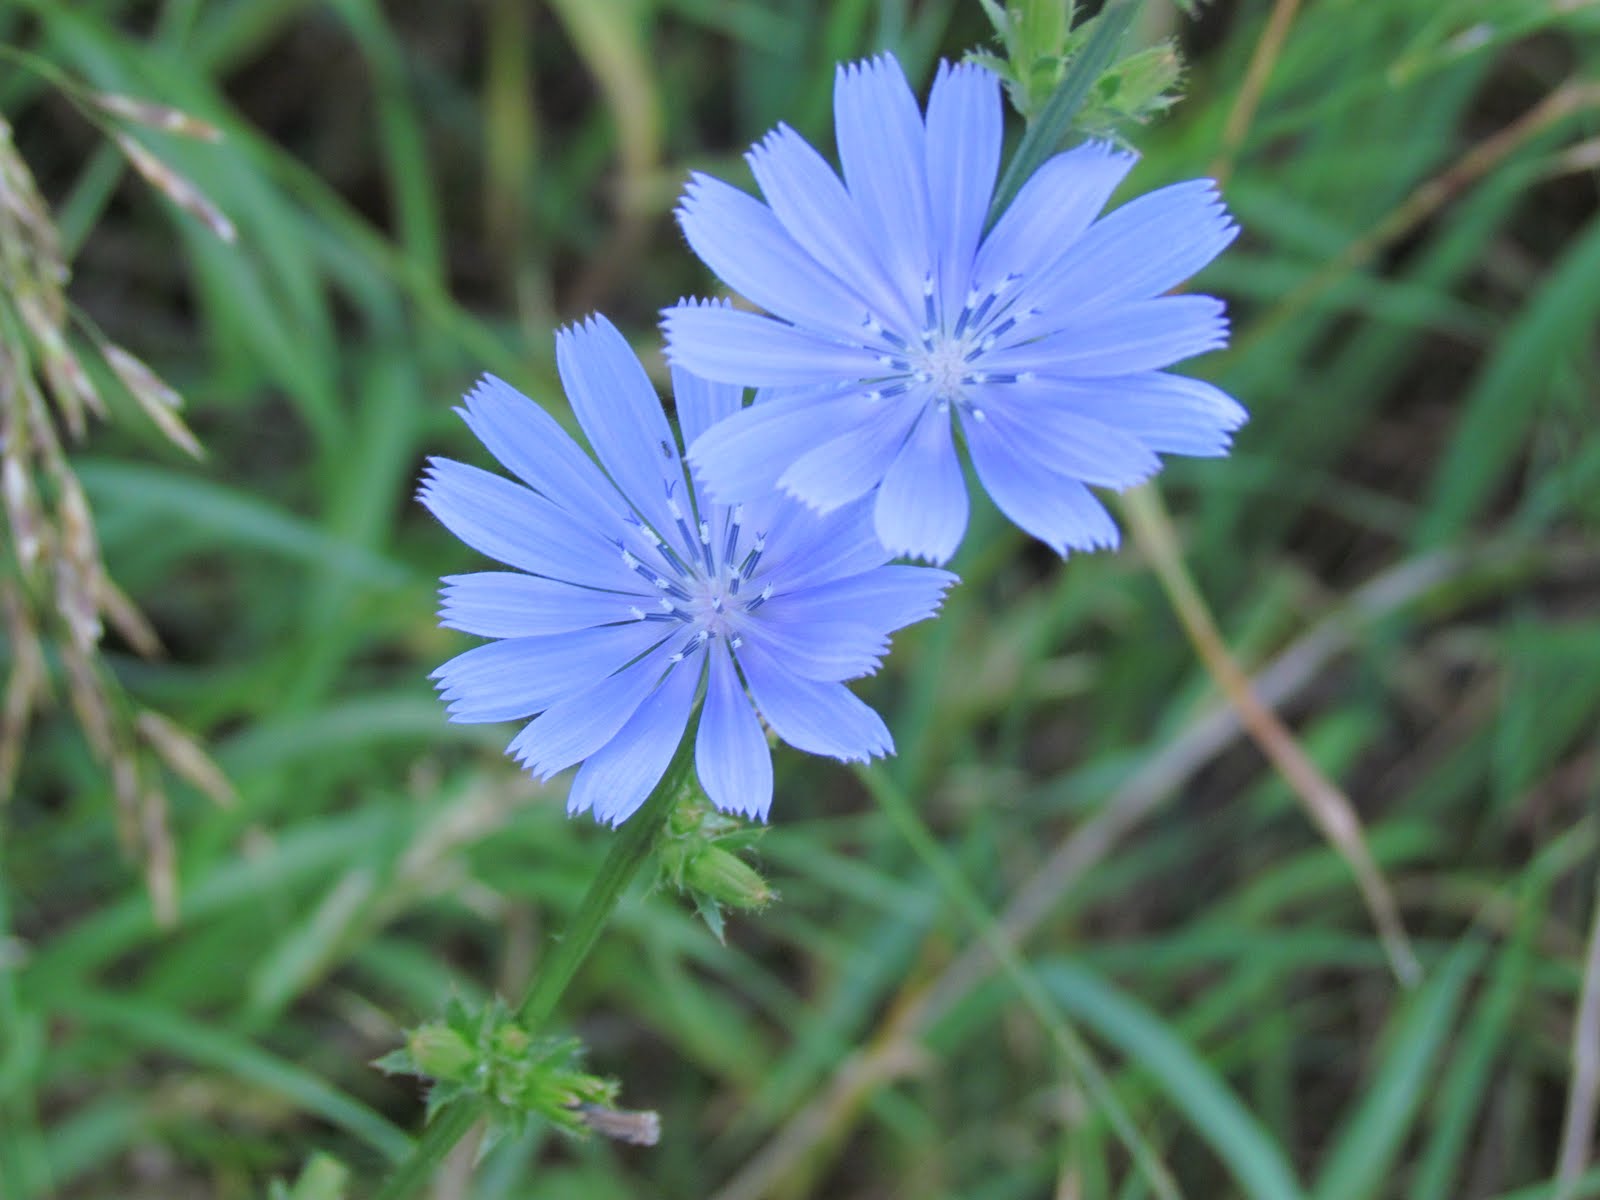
<point>702,580</point>
<point>944,359</point>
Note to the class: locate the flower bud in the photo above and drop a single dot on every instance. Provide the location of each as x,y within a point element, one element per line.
<point>440,1052</point>
<point>727,879</point>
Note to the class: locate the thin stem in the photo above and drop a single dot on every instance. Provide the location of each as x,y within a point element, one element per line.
<point>1327,806</point>
<point>1053,123</point>
<point>631,847</point>
<point>633,844</point>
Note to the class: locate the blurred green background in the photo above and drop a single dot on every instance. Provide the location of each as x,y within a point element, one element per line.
<point>1401,552</point>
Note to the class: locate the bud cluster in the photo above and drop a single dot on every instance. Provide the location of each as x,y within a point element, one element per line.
<point>1041,42</point>
<point>487,1054</point>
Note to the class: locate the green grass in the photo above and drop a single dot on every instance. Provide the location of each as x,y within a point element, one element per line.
<point>1402,551</point>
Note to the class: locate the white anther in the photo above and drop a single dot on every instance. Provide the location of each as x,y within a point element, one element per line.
<point>629,561</point>
<point>666,605</point>
<point>979,415</point>
<point>735,642</point>
<point>661,583</point>
<point>1026,377</point>
<point>636,612</point>
<point>705,532</point>
<point>672,507</point>
<point>766,592</point>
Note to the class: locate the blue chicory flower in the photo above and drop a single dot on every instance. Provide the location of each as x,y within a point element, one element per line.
<point>629,590</point>
<point>895,315</point>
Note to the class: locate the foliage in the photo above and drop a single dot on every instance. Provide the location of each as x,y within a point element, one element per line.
<point>1401,553</point>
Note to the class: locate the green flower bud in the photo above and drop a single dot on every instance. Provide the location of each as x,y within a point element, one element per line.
<point>727,879</point>
<point>440,1052</point>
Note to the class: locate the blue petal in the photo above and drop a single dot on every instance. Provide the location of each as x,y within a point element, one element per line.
<point>1121,339</point>
<point>730,751</point>
<point>1171,414</point>
<point>819,214</point>
<point>1058,511</point>
<point>530,442</point>
<point>519,528</point>
<point>748,248</point>
<point>963,155</point>
<point>577,726</point>
<point>887,598</point>
<point>618,408</point>
<point>506,604</point>
<point>742,457</point>
<point>698,401</point>
<point>751,350</point>
<point>513,678</point>
<point>1061,440</point>
<point>879,130</point>
<point>807,549</point>
<point>811,647</point>
<point>618,778</point>
<point>851,463</point>
<point>921,510</point>
<point>1142,249</point>
<point>1050,213</point>
<point>819,718</point>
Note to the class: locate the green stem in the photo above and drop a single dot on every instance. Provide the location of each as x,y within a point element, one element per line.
<point>1050,126</point>
<point>631,847</point>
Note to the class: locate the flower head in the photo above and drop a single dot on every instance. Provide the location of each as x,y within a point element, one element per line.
<point>895,317</point>
<point>629,590</point>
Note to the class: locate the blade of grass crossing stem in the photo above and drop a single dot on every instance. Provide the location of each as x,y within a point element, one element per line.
<point>1329,808</point>
<point>1216,1113</point>
<point>1045,135</point>
<point>956,888</point>
<point>1362,1158</point>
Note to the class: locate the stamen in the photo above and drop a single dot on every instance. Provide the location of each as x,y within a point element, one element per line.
<point>672,589</point>
<point>732,543</point>
<point>979,415</point>
<point>705,544</point>
<point>636,612</point>
<point>735,642</point>
<point>930,318</point>
<point>667,605</point>
<point>748,566</point>
<point>766,594</point>
<point>695,643</point>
